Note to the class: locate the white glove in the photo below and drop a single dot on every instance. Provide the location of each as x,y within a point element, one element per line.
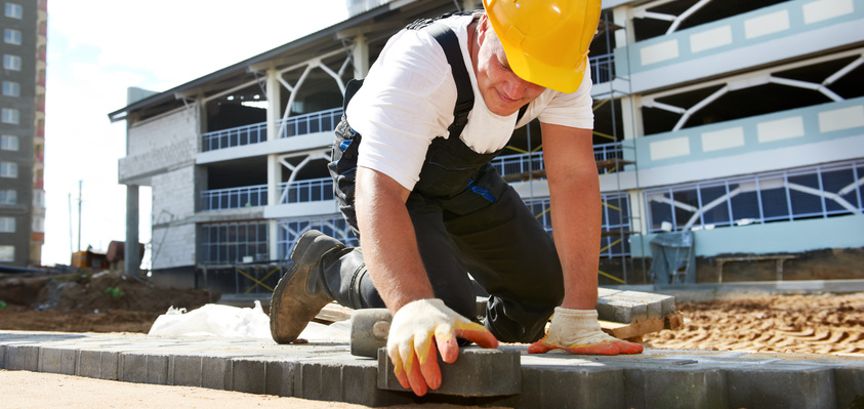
<point>578,332</point>
<point>410,346</point>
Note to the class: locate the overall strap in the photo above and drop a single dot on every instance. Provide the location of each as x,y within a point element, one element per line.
<point>464,92</point>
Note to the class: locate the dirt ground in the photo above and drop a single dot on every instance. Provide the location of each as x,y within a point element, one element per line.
<point>818,323</point>
<point>26,390</point>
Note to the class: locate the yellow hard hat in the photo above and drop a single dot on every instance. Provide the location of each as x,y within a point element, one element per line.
<point>546,41</point>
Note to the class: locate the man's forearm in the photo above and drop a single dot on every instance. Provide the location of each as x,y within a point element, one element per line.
<point>388,240</point>
<point>576,226</point>
<point>574,189</point>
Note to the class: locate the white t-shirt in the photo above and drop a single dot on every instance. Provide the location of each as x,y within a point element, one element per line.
<point>407,100</point>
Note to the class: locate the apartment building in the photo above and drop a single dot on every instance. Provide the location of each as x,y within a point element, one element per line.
<point>22,132</point>
<point>740,123</point>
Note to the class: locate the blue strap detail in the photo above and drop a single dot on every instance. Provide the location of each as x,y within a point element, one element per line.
<point>482,191</point>
<point>344,145</point>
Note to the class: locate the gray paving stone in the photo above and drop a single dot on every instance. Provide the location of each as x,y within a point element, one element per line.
<point>478,372</point>
<point>582,387</point>
<point>781,386</point>
<point>133,368</point>
<point>58,360</point>
<point>2,356</point>
<point>218,373</point>
<point>249,375</point>
<point>849,387</point>
<point>675,387</point>
<point>22,357</point>
<point>280,378</point>
<point>621,310</point>
<point>98,364</point>
<point>157,369</point>
<point>185,370</point>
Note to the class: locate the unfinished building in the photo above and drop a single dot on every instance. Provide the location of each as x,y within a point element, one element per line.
<point>740,124</point>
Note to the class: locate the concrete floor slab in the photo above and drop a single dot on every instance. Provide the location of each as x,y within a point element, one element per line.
<point>657,378</point>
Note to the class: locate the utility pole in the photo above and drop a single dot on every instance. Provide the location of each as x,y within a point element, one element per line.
<point>71,243</point>
<point>80,183</point>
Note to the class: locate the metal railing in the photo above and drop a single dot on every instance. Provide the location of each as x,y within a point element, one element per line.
<point>311,190</point>
<point>518,164</point>
<point>609,151</point>
<point>238,136</point>
<point>602,68</point>
<point>321,121</point>
<point>234,198</point>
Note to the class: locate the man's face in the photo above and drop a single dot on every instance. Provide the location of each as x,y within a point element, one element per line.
<point>503,91</point>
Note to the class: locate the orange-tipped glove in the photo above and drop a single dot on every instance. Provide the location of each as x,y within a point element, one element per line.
<point>578,332</point>
<point>410,342</point>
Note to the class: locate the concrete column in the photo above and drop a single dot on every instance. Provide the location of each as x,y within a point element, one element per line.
<point>274,168</point>
<point>130,253</point>
<point>360,57</point>
<point>621,17</point>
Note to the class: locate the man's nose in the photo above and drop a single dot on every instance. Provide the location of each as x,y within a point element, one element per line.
<point>517,88</point>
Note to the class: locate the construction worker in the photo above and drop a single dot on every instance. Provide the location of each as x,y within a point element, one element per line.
<point>412,177</point>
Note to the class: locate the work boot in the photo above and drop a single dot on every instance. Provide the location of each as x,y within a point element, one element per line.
<point>302,292</point>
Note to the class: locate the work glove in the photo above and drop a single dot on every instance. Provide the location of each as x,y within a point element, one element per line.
<point>412,350</point>
<point>578,332</point>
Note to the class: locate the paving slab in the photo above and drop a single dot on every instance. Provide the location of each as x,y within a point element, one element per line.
<point>327,371</point>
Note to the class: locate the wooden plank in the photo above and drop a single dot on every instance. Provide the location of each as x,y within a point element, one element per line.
<point>332,313</point>
<point>633,329</point>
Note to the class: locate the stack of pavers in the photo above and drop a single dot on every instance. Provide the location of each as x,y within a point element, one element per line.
<point>504,377</point>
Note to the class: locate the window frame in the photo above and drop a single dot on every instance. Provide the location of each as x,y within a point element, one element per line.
<point>13,10</point>
<point>8,170</point>
<point>8,224</point>
<point>12,36</point>
<point>12,62</point>
<point>11,89</point>
<point>7,144</point>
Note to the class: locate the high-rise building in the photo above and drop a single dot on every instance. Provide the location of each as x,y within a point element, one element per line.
<point>738,126</point>
<point>22,131</point>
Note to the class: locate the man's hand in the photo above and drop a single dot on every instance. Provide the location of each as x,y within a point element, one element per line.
<point>578,332</point>
<point>410,346</point>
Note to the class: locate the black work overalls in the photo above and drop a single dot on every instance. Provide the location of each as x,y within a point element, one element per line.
<point>466,219</point>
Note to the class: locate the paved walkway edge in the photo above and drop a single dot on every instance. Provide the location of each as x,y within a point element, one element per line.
<point>657,379</point>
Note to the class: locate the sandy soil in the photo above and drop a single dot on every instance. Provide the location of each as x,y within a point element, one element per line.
<point>25,390</point>
<point>820,324</point>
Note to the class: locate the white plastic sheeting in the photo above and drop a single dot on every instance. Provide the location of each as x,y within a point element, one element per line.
<point>225,321</point>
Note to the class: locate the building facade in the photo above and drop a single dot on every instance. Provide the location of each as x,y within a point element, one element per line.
<point>22,129</point>
<point>741,124</point>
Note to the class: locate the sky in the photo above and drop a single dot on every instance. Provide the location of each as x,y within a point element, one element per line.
<point>98,48</point>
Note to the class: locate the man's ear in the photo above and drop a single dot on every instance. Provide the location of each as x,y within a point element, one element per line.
<point>482,27</point>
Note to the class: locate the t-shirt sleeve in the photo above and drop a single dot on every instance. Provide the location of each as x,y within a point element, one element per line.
<point>573,109</point>
<point>405,102</point>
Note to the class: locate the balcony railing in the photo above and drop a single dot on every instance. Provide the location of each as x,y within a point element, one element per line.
<point>523,163</point>
<point>321,121</point>
<point>232,137</point>
<point>234,198</point>
<point>602,68</point>
<point>312,190</point>
<point>518,164</point>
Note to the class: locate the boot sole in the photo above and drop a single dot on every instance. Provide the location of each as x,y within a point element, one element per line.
<point>292,307</point>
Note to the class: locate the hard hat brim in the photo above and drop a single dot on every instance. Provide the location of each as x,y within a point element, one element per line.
<point>566,80</point>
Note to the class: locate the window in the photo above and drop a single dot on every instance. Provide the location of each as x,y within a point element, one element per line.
<point>10,116</point>
<point>12,36</point>
<point>39,199</point>
<point>11,62</point>
<point>8,197</point>
<point>38,224</point>
<point>7,253</point>
<point>11,89</point>
<point>8,169</point>
<point>9,143</point>
<point>815,192</point>
<point>7,225</point>
<point>14,10</point>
